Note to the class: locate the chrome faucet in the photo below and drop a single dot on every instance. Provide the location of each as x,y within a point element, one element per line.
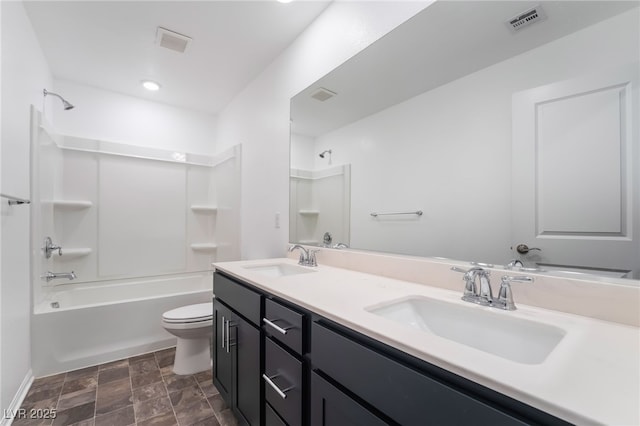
<point>49,248</point>
<point>483,295</point>
<point>307,257</point>
<point>57,275</point>
<point>505,296</point>
<point>514,263</point>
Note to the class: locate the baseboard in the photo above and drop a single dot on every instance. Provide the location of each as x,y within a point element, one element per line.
<point>10,412</point>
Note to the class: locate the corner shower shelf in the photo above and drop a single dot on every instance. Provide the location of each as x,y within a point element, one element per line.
<point>73,253</point>
<point>309,212</point>
<point>204,247</point>
<point>201,208</point>
<point>72,204</point>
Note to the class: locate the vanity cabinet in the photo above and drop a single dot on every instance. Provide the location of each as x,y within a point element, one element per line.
<point>299,368</point>
<point>237,348</point>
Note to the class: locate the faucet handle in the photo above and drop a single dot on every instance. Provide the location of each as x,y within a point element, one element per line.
<point>505,296</point>
<point>312,257</point>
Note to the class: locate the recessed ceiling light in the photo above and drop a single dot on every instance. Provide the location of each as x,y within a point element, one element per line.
<point>150,85</point>
<point>285,1</point>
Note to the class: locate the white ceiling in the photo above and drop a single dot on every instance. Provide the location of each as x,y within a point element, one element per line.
<point>111,44</point>
<point>444,42</point>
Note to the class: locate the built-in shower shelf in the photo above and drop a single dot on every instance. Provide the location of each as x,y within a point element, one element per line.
<point>204,247</point>
<point>72,253</point>
<point>203,208</point>
<point>72,204</point>
<point>309,212</point>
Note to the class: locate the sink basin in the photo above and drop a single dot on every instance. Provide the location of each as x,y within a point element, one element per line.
<point>498,333</point>
<point>279,269</point>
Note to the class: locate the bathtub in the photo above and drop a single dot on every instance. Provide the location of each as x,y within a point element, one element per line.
<point>81,325</point>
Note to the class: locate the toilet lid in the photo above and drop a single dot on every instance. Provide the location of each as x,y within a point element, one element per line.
<point>199,312</point>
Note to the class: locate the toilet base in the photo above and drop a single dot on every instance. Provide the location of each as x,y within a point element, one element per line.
<point>192,356</point>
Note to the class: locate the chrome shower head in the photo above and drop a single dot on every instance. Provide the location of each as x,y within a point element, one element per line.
<point>328,151</point>
<point>67,106</point>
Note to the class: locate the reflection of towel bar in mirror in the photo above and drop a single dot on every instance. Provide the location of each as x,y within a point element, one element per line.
<point>418,212</point>
<point>13,201</point>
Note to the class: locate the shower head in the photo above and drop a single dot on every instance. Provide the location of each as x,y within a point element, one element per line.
<point>328,151</point>
<point>67,105</point>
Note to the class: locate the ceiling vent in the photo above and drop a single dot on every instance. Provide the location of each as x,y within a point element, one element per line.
<point>172,40</point>
<point>323,94</point>
<point>526,18</point>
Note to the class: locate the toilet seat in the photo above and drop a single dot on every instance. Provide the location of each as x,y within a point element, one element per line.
<point>199,313</point>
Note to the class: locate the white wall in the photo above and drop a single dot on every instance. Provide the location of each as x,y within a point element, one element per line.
<point>448,151</point>
<point>24,74</point>
<point>258,117</point>
<point>110,116</point>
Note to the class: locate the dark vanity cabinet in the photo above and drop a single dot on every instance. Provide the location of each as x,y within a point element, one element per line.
<point>236,363</point>
<point>278,364</point>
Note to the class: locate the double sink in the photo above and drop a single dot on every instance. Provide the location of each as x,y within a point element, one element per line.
<point>499,333</point>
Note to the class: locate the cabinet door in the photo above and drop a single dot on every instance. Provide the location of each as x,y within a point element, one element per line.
<point>245,344</point>
<point>222,355</point>
<point>329,406</point>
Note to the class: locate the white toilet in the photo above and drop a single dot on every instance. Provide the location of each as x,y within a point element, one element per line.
<point>192,325</point>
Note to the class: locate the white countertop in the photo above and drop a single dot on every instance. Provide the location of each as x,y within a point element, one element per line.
<point>591,377</point>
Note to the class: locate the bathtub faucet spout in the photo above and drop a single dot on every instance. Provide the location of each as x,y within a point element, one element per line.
<point>57,275</point>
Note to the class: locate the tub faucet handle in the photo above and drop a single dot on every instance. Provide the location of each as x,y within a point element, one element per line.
<point>49,248</point>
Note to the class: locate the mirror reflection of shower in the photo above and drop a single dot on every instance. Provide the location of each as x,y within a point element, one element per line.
<point>323,153</point>
<point>67,106</point>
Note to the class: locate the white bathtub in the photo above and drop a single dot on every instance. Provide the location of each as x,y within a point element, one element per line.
<point>96,323</point>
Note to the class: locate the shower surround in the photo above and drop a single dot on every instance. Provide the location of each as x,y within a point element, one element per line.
<point>140,228</point>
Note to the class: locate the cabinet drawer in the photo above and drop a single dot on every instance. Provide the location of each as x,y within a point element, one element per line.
<point>244,301</point>
<point>283,324</point>
<point>405,395</point>
<point>271,418</point>
<point>283,372</point>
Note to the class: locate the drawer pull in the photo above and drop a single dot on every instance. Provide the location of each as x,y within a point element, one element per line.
<point>222,331</point>
<point>280,392</point>
<point>276,327</point>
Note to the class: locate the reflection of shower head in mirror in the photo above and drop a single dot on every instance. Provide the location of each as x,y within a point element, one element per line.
<point>67,106</point>
<point>323,153</point>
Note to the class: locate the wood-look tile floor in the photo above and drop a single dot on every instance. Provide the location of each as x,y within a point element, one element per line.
<point>142,391</point>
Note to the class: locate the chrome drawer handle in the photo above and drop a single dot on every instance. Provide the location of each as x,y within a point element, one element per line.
<point>280,392</point>
<point>222,332</point>
<point>276,327</point>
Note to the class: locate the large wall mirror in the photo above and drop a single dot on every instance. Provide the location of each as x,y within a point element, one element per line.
<point>480,131</point>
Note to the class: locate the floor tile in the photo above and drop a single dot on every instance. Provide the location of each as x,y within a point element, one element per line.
<point>121,417</point>
<point>114,373</point>
<point>114,364</point>
<point>81,384</point>
<point>76,398</point>
<point>209,421</point>
<point>153,408</point>
<point>186,396</point>
<point>146,379</point>
<point>193,412</point>
<point>176,382</point>
<point>75,414</point>
<point>144,357</point>
<point>143,367</point>
<point>152,391</point>
<point>141,391</point>
<point>217,403</point>
<point>167,419</point>
<point>226,418</point>
<point>113,396</point>
<point>83,372</point>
